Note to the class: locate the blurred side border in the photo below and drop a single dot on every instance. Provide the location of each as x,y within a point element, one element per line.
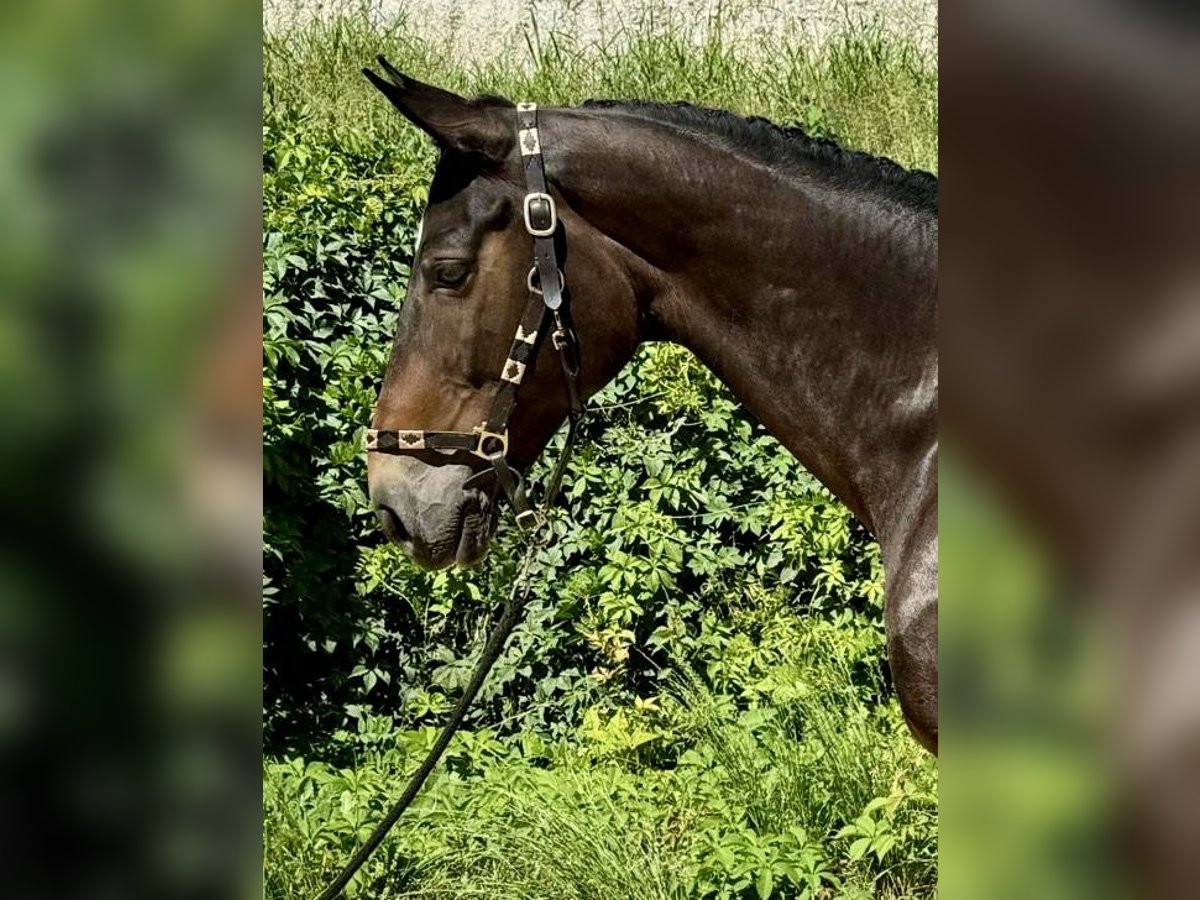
<point>1070,297</point>
<point>130,350</point>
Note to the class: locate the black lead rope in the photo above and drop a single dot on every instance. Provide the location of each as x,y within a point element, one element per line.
<point>517,601</point>
<point>492,649</point>
<point>547,306</point>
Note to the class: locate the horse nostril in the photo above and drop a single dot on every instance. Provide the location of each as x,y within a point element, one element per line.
<point>391,524</point>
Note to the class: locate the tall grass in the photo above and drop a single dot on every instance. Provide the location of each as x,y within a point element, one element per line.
<point>808,763</point>
<point>563,839</point>
<point>819,757</point>
<point>870,89</point>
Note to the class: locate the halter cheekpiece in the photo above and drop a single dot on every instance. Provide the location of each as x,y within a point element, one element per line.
<point>546,311</point>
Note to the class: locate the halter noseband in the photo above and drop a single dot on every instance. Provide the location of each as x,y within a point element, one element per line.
<point>547,306</point>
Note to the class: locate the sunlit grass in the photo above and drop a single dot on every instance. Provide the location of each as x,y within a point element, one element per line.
<point>871,90</point>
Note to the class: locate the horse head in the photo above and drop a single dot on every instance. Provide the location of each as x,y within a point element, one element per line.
<point>472,283</point>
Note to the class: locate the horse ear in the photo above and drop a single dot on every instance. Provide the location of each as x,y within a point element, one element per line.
<point>454,122</point>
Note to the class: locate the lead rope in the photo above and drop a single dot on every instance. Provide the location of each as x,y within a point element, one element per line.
<point>513,608</point>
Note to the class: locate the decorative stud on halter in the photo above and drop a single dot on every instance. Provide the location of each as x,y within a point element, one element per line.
<point>547,301</point>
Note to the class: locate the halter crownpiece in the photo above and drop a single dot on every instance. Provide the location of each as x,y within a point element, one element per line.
<point>547,304</point>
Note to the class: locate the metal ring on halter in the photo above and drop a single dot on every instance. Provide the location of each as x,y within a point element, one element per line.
<point>561,339</point>
<point>537,290</point>
<point>484,452</point>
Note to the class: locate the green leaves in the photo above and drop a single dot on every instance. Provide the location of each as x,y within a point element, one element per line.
<point>773,866</point>
<point>643,803</point>
<point>896,831</point>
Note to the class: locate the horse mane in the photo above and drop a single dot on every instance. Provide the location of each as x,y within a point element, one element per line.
<point>790,147</point>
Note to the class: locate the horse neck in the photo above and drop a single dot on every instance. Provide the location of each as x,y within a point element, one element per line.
<point>815,305</point>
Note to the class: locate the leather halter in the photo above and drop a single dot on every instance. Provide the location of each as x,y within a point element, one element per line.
<point>547,308</point>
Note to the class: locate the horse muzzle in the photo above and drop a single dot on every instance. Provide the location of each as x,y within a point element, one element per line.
<point>430,512</point>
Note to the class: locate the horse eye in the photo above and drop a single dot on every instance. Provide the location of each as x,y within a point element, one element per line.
<point>451,274</point>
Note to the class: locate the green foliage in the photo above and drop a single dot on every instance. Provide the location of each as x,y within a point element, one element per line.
<point>740,802</point>
<point>778,767</point>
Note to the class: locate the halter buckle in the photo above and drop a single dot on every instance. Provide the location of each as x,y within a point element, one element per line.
<point>542,221</point>
<point>491,443</point>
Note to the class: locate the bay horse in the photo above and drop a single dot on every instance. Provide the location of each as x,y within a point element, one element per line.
<point>803,275</point>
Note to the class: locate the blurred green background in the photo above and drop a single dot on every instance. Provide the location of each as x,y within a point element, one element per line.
<point>129,633</point>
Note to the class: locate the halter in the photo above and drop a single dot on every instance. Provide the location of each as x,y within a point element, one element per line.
<point>547,309</point>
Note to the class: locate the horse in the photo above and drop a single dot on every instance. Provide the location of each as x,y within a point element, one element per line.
<point>803,275</point>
